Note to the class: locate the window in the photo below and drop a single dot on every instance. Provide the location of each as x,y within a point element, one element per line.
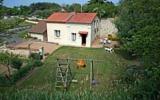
<point>57,33</point>
<point>73,36</point>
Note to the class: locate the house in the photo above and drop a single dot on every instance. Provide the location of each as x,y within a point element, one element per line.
<point>39,31</point>
<point>72,29</point>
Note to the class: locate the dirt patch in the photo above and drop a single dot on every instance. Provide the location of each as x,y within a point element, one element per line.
<point>4,69</point>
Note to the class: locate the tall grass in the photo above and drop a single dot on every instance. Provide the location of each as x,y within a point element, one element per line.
<point>119,94</point>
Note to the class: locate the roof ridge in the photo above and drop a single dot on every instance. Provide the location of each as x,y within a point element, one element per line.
<point>70,16</point>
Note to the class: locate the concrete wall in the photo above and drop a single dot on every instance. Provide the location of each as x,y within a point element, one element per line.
<point>21,52</point>
<point>38,36</point>
<point>65,34</point>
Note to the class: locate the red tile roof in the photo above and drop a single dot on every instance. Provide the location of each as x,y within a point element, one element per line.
<point>85,18</point>
<point>39,28</point>
<point>59,17</point>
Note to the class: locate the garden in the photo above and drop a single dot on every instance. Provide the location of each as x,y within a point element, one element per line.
<point>107,73</point>
<point>15,67</point>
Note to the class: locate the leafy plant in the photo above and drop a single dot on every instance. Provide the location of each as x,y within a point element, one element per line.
<point>16,63</point>
<point>35,56</point>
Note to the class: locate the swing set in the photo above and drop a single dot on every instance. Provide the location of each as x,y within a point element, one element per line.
<point>64,75</point>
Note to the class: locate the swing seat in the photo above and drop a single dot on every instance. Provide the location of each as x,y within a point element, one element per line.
<point>81,64</point>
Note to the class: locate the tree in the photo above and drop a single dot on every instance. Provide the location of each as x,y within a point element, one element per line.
<point>75,7</point>
<point>103,8</point>
<point>139,29</point>
<point>1,8</point>
<point>138,22</point>
<point>44,9</point>
<point>1,2</point>
<point>5,59</point>
<point>97,1</point>
<point>44,6</point>
<point>25,10</point>
<point>16,62</point>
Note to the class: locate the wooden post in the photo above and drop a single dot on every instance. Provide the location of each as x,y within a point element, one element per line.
<point>91,73</point>
<point>29,48</point>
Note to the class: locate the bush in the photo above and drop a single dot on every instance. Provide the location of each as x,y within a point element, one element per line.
<point>4,81</point>
<point>35,56</point>
<point>24,35</point>
<point>16,63</point>
<point>37,63</point>
<point>20,73</point>
<point>112,37</point>
<point>125,53</point>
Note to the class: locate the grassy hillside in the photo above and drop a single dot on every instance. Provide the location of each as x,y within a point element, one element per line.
<point>41,83</point>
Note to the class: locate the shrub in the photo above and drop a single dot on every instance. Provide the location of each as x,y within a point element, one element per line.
<point>4,81</point>
<point>125,53</point>
<point>112,37</point>
<point>24,35</point>
<point>22,72</point>
<point>109,37</point>
<point>35,56</point>
<point>37,63</point>
<point>16,63</point>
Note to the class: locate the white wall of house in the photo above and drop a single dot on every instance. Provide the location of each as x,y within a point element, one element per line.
<point>65,33</point>
<point>38,36</point>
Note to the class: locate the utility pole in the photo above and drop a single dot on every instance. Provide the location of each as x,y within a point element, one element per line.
<point>81,8</point>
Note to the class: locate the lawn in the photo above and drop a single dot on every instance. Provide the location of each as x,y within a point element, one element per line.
<point>43,78</point>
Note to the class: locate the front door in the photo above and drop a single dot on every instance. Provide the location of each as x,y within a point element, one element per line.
<point>84,36</point>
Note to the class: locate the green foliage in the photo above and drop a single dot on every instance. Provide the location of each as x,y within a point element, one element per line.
<point>24,35</point>
<point>1,2</point>
<point>81,95</point>
<point>103,8</point>
<point>16,62</point>
<point>37,63</point>
<point>139,29</point>
<point>9,23</point>
<point>96,1</point>
<point>74,7</point>
<point>4,58</point>
<point>44,5</point>
<point>22,72</point>
<point>1,8</point>
<point>44,9</point>
<point>125,53</point>
<point>35,56</point>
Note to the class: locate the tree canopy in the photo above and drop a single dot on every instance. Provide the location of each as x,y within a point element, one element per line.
<point>104,8</point>
<point>139,29</point>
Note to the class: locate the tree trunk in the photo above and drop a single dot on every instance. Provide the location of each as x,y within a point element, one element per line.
<point>9,71</point>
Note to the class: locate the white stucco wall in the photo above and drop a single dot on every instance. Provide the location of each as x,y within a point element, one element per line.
<point>38,36</point>
<point>65,35</point>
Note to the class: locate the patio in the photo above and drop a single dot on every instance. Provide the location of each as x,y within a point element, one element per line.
<point>98,43</point>
<point>23,47</point>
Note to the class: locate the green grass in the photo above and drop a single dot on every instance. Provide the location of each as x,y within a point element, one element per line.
<point>44,77</point>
